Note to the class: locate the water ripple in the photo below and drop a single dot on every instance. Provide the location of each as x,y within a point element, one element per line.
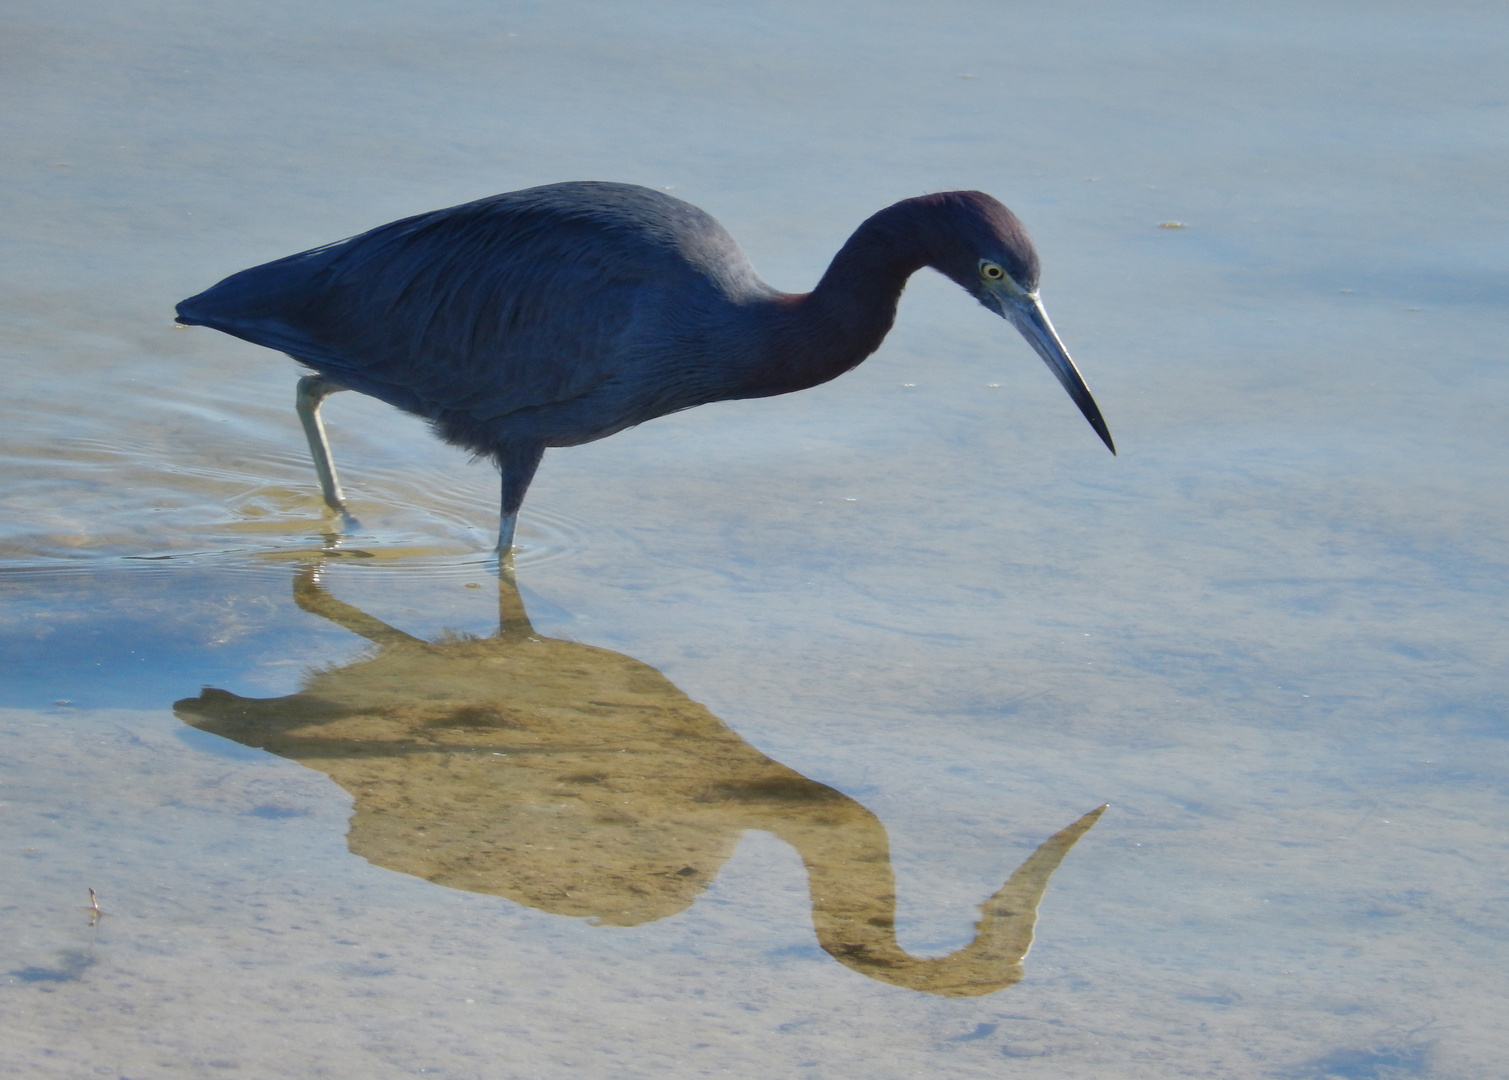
<point>81,500</point>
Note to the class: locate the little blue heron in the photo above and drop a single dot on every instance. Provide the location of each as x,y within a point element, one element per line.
<point>561,314</point>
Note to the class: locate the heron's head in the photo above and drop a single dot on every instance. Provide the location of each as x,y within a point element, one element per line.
<point>980,244</point>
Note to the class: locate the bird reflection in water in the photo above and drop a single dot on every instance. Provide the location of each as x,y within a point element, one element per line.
<point>581,782</point>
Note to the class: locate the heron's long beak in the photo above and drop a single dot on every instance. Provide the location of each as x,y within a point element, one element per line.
<point>1024,311</point>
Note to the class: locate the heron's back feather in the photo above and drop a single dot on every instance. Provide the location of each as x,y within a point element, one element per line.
<point>509,303</point>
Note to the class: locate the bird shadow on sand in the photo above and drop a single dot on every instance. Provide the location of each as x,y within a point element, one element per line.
<point>581,782</point>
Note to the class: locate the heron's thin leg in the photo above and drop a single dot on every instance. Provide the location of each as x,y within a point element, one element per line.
<point>314,389</point>
<point>516,463</point>
<point>506,525</point>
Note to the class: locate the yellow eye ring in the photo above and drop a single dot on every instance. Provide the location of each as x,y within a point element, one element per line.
<point>990,271</point>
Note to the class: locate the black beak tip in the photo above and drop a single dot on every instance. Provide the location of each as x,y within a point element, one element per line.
<point>1092,414</point>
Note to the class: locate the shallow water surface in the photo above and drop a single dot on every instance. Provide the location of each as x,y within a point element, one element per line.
<point>796,730</point>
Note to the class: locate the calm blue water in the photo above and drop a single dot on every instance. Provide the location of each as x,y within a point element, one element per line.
<point>915,617</point>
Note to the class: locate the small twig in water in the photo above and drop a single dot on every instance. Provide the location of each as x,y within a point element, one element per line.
<point>96,913</point>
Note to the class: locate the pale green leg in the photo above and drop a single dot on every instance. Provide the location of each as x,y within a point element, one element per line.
<point>313,390</point>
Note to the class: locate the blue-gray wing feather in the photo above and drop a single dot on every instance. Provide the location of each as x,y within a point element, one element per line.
<point>521,300</point>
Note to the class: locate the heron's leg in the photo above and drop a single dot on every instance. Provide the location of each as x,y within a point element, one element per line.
<point>506,525</point>
<point>314,389</point>
<point>517,463</point>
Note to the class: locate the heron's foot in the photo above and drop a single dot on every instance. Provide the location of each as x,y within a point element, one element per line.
<point>340,522</point>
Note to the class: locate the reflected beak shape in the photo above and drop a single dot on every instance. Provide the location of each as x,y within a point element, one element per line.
<point>1024,311</point>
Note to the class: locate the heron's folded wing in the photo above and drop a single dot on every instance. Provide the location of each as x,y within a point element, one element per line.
<point>483,308</point>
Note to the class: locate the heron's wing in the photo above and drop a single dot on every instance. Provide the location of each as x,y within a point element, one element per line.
<point>485,308</point>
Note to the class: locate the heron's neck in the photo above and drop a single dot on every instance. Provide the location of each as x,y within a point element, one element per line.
<point>822,334</point>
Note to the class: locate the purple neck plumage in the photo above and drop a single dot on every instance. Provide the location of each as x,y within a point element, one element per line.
<point>817,336</point>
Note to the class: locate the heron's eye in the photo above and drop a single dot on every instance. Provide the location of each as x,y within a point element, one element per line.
<point>990,271</point>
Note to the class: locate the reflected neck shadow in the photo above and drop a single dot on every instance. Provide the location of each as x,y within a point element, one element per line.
<point>581,782</point>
